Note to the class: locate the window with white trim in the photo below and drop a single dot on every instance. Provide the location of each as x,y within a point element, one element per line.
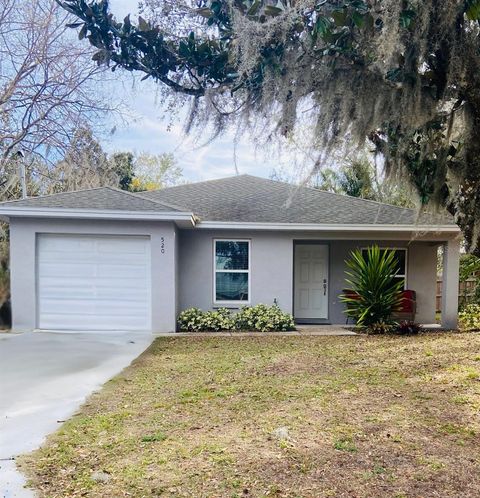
<point>400,262</point>
<point>231,271</point>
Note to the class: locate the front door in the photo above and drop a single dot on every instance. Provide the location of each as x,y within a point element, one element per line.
<point>311,281</point>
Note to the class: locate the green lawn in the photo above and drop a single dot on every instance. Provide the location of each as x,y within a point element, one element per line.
<point>197,417</point>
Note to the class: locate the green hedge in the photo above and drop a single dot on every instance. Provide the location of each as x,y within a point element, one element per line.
<point>260,318</point>
<point>469,317</point>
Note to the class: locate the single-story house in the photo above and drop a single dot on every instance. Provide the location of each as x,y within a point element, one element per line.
<point>106,259</point>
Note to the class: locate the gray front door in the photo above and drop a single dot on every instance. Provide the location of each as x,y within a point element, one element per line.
<point>311,281</point>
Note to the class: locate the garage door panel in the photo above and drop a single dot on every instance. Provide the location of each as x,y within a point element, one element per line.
<point>75,307</point>
<point>77,257</point>
<point>130,289</point>
<point>89,322</point>
<point>121,272</point>
<point>61,242</point>
<point>66,258</point>
<point>65,271</point>
<point>128,247</point>
<point>72,303</point>
<point>94,282</point>
<point>79,278</point>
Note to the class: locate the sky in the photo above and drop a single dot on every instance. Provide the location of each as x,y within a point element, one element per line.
<point>144,130</point>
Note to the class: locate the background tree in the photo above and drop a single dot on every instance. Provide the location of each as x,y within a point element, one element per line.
<point>470,269</point>
<point>356,178</point>
<point>85,165</point>
<point>155,171</point>
<point>403,75</point>
<point>123,164</point>
<point>49,86</point>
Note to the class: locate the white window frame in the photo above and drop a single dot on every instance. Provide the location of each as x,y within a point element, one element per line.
<point>215,271</point>
<point>405,250</point>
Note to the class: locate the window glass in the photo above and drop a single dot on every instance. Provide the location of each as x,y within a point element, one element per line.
<point>231,286</point>
<point>400,279</point>
<point>400,258</point>
<point>400,263</point>
<point>231,255</point>
<point>232,271</point>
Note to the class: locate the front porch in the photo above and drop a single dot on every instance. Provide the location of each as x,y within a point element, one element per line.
<point>276,274</point>
<point>319,280</point>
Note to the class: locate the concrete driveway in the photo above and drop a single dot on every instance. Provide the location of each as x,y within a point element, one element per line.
<point>44,377</point>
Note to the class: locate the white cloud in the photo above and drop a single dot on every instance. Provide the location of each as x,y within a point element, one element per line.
<point>146,131</point>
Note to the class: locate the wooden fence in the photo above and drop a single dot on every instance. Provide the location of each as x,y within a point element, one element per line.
<point>466,290</point>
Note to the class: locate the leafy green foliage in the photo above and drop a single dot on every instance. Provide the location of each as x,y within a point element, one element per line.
<point>260,318</point>
<point>263,318</point>
<point>425,155</point>
<point>144,48</point>
<point>380,328</point>
<point>470,269</point>
<point>191,320</point>
<point>469,266</point>
<point>155,171</point>
<point>196,320</point>
<point>356,178</point>
<point>376,294</point>
<point>472,10</point>
<point>469,317</point>
<point>217,320</point>
<point>404,77</point>
<point>123,165</point>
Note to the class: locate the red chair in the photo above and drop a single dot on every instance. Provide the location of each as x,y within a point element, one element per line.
<point>408,307</point>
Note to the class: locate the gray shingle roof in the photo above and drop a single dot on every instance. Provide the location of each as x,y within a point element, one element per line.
<point>241,198</point>
<point>97,198</point>
<point>248,198</point>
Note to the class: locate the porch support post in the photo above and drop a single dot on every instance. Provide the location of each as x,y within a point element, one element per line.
<point>451,266</point>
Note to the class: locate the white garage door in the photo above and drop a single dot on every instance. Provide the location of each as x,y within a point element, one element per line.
<point>93,282</point>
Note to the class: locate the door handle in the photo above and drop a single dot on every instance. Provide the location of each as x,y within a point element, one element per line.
<point>324,286</point>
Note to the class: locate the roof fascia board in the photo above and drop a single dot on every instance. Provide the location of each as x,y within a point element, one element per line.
<point>104,214</point>
<point>324,227</point>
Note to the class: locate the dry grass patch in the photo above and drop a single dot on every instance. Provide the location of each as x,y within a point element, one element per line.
<point>276,416</point>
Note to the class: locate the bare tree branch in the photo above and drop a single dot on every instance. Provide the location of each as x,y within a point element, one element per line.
<point>49,85</point>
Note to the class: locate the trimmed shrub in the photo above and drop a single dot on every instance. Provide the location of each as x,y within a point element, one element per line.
<point>469,317</point>
<point>220,319</point>
<point>191,320</point>
<point>263,318</point>
<point>260,318</point>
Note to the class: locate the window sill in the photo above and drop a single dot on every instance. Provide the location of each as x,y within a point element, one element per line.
<point>230,305</point>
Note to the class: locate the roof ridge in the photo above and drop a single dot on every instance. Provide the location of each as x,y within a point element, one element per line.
<point>318,190</point>
<point>153,201</point>
<point>55,193</point>
<point>212,180</point>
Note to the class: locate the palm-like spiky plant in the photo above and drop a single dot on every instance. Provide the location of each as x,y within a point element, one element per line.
<point>376,294</point>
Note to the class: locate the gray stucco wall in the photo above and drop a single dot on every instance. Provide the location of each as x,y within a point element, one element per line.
<point>182,275</point>
<point>23,233</point>
<point>272,269</point>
